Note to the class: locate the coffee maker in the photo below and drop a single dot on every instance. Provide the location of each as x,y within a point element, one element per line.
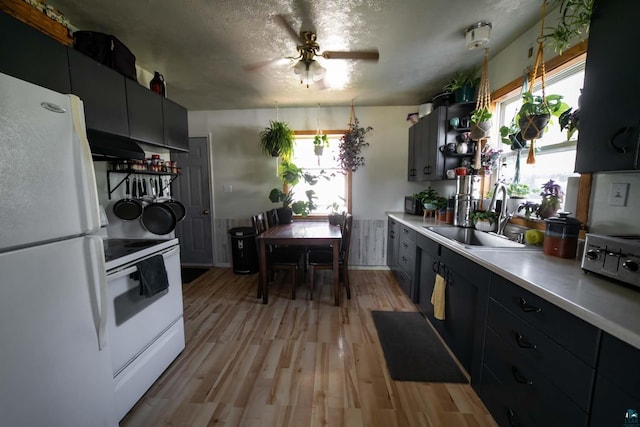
<point>467,199</point>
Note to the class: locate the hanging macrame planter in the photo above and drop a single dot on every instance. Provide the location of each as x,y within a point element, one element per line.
<point>481,116</point>
<point>532,125</point>
<point>351,144</point>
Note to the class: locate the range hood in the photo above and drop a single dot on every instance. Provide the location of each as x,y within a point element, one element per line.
<point>106,146</point>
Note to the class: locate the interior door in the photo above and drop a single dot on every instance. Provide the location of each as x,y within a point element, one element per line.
<point>193,189</point>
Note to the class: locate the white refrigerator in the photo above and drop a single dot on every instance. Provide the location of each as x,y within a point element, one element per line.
<point>55,367</point>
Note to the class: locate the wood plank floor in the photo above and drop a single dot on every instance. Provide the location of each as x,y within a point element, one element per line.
<point>294,362</point>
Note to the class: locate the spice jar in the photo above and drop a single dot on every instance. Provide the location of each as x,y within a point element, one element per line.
<point>561,236</point>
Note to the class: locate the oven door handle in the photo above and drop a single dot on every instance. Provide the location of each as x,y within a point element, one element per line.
<point>132,269</point>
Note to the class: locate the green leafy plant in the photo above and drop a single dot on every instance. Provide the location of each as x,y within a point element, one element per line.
<point>529,208</point>
<point>535,105</point>
<point>518,190</point>
<point>461,79</point>
<point>429,198</point>
<point>511,135</point>
<point>480,115</point>
<point>570,120</point>
<point>552,195</point>
<point>291,174</point>
<point>277,140</point>
<point>321,141</point>
<point>490,216</point>
<point>574,21</point>
<point>351,145</point>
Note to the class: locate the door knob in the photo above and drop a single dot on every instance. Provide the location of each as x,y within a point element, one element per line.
<point>205,212</point>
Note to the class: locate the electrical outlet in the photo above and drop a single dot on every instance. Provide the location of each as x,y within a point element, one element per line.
<point>619,194</point>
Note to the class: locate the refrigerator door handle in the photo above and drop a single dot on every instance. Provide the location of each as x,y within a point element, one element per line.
<point>100,282</point>
<point>89,182</point>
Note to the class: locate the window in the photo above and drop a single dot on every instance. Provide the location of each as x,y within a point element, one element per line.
<point>334,185</point>
<point>555,155</point>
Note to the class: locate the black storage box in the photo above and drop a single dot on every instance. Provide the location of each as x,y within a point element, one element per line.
<point>107,50</point>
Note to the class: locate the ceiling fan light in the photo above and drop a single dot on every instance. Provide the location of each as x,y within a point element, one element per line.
<point>317,71</point>
<point>299,68</point>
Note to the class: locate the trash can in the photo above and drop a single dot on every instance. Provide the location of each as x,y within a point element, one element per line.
<point>244,250</point>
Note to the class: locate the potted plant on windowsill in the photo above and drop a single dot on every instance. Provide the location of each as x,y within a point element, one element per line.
<point>277,140</point>
<point>290,174</point>
<point>336,211</point>
<point>484,220</point>
<point>517,192</point>
<point>551,199</point>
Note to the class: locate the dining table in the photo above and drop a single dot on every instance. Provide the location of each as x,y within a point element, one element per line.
<point>303,233</point>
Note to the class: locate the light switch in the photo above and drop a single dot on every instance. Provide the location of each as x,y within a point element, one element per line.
<point>619,194</point>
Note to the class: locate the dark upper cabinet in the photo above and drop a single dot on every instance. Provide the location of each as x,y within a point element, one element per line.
<point>609,135</point>
<point>144,109</point>
<point>29,55</point>
<point>103,92</point>
<point>176,126</point>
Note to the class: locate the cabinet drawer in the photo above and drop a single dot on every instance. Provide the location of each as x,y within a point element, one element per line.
<point>574,334</point>
<point>534,399</point>
<point>571,375</point>
<point>619,362</point>
<point>406,283</point>
<point>407,233</point>
<point>465,268</point>
<point>407,258</point>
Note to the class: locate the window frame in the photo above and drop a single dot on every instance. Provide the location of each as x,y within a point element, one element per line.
<point>348,174</point>
<point>567,59</point>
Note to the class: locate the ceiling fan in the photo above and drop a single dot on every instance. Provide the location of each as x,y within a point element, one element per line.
<point>308,49</point>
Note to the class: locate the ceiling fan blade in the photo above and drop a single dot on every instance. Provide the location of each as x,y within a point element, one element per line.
<point>365,55</point>
<point>282,21</point>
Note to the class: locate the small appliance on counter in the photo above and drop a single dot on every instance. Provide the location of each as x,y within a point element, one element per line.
<point>561,236</point>
<point>616,257</point>
<point>413,206</point>
<point>467,199</point>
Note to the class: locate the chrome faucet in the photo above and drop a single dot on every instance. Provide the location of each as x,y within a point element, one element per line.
<point>503,215</point>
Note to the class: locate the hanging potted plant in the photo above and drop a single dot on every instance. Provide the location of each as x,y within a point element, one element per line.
<point>480,123</point>
<point>536,111</point>
<point>320,141</point>
<point>574,22</point>
<point>277,140</point>
<point>351,145</point>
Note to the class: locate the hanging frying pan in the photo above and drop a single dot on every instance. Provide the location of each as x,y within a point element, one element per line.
<point>158,218</point>
<point>178,208</point>
<point>127,208</point>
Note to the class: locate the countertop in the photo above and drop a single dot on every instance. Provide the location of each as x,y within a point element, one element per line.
<point>608,305</point>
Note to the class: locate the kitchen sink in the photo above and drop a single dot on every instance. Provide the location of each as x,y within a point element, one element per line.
<point>475,239</point>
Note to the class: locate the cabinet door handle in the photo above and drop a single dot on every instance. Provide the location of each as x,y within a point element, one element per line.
<point>519,377</point>
<point>392,234</point>
<point>427,170</point>
<point>612,140</point>
<point>522,343</point>
<point>513,420</point>
<point>528,308</point>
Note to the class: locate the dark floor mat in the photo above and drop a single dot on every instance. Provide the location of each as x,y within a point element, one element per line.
<point>189,274</point>
<point>412,349</point>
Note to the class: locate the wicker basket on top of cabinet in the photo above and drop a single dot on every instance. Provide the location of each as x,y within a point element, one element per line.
<point>37,19</point>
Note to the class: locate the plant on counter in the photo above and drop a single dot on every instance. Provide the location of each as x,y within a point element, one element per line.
<point>277,140</point>
<point>529,208</point>
<point>489,216</point>
<point>551,199</point>
<point>351,145</point>
<point>428,198</point>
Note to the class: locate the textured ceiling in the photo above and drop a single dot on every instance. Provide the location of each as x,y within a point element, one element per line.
<point>203,47</point>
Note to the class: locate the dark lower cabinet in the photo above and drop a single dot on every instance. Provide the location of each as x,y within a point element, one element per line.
<point>27,54</point>
<point>429,252</point>
<point>466,296</point>
<point>617,395</point>
<point>393,240</point>
<point>407,261</point>
<point>103,92</point>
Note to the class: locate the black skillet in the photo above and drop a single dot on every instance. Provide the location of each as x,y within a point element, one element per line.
<point>158,218</point>
<point>127,208</point>
<point>177,207</point>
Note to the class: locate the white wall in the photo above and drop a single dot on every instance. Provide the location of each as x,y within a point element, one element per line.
<point>379,186</point>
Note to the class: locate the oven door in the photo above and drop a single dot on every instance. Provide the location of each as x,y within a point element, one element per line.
<point>135,322</point>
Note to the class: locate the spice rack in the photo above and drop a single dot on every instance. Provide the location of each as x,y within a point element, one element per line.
<point>129,172</point>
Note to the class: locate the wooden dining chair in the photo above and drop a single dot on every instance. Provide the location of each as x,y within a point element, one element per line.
<point>278,258</point>
<point>323,259</point>
<point>272,217</point>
